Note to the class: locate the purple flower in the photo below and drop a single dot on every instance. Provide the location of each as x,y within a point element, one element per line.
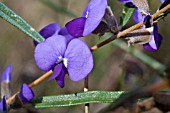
<point>74,58</point>
<point>3,106</point>
<point>26,94</point>
<point>91,18</point>
<point>155,40</point>
<point>6,74</point>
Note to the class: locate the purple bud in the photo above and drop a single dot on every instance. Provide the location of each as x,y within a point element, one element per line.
<point>26,94</point>
<point>6,74</point>
<point>3,105</point>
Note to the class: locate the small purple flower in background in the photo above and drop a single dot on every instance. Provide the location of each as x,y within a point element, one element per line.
<point>5,82</point>
<point>74,58</point>
<point>3,105</point>
<point>91,18</point>
<point>26,94</point>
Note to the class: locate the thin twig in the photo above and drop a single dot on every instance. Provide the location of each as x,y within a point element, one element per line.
<point>34,83</point>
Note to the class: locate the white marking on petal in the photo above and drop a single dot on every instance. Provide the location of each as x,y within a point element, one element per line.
<point>60,57</point>
<point>65,61</point>
<point>150,29</point>
<point>152,40</point>
<point>87,13</point>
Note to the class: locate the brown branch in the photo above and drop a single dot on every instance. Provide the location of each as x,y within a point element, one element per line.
<point>120,34</point>
<point>34,83</point>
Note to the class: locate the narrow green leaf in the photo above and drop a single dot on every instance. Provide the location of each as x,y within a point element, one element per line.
<point>126,15</point>
<point>8,15</point>
<point>76,99</point>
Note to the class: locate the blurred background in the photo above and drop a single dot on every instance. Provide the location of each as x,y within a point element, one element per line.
<point>114,68</point>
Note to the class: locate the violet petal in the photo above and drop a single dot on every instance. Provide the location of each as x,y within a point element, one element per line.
<point>155,41</point>
<point>26,94</point>
<point>47,53</point>
<point>137,16</point>
<point>56,71</point>
<point>79,60</point>
<point>6,74</point>
<point>162,1</point>
<point>48,31</point>
<point>76,26</point>
<point>66,34</point>
<point>3,105</point>
<point>94,13</point>
<point>60,78</point>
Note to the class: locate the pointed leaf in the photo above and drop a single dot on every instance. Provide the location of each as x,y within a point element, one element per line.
<point>126,15</point>
<point>8,15</point>
<point>76,99</point>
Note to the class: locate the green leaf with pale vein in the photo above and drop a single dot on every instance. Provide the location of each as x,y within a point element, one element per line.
<point>8,15</point>
<point>76,99</point>
<point>126,15</point>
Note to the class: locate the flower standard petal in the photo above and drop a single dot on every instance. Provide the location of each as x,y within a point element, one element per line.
<point>26,94</point>
<point>60,78</point>
<point>79,60</point>
<point>94,13</point>
<point>6,74</point>
<point>76,26</point>
<point>56,71</point>
<point>155,40</point>
<point>48,31</point>
<point>47,53</point>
